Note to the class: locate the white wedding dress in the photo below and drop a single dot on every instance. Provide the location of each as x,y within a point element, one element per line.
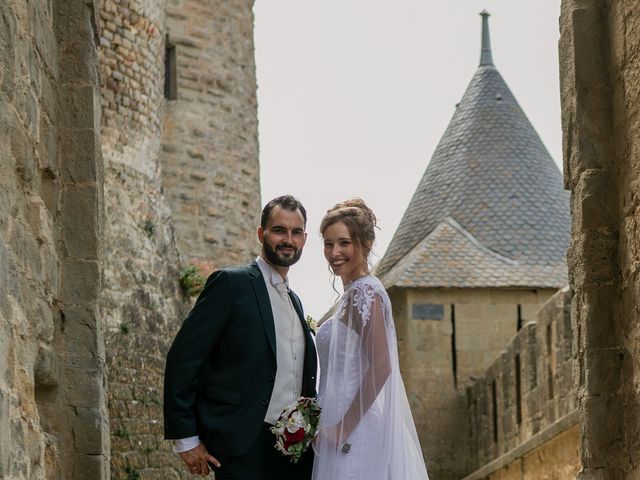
<point>366,430</point>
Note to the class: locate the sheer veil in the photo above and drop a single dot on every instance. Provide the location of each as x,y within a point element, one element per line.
<point>366,428</point>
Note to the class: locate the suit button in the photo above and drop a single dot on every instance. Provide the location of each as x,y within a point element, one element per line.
<point>265,403</point>
<point>313,378</point>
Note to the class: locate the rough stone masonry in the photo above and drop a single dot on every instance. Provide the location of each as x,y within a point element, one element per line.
<point>96,184</point>
<point>600,88</point>
<point>51,244</point>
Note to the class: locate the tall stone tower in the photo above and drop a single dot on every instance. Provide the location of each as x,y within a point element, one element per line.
<point>479,249</point>
<point>181,182</point>
<point>209,153</point>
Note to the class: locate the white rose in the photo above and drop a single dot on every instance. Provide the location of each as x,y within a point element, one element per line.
<point>295,422</point>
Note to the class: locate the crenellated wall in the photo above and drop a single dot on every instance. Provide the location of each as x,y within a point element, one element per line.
<point>526,399</point>
<point>443,352</point>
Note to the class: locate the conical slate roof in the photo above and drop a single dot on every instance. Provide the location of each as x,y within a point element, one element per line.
<point>491,177</point>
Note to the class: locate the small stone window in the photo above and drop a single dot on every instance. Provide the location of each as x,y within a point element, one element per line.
<point>170,71</point>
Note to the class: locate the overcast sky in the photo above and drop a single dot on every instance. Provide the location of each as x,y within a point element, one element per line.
<point>354,95</point>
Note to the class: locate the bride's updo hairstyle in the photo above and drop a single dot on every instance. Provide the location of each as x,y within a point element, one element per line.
<point>360,221</point>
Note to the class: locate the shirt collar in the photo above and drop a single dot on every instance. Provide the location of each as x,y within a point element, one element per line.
<point>270,273</point>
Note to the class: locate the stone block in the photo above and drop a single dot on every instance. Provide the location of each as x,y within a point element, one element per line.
<point>602,433</point>
<point>84,387</point>
<point>82,338</point>
<point>73,21</point>
<point>4,278</point>
<point>81,151</point>
<point>593,89</point>
<point>95,467</point>
<point>80,215</point>
<point>22,152</point>
<point>165,473</point>
<point>604,370</point>
<point>596,197</point>
<point>602,474</point>
<point>594,253</point>
<point>45,369</point>
<point>79,107</point>
<point>45,42</point>
<point>6,444</point>
<point>90,431</point>
<point>597,317</point>
<point>80,282</point>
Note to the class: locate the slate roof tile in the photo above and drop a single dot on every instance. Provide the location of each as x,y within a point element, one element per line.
<point>492,175</point>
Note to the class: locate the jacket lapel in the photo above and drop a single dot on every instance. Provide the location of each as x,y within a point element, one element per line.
<point>264,305</point>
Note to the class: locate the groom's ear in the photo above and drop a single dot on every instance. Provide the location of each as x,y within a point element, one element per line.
<point>260,235</point>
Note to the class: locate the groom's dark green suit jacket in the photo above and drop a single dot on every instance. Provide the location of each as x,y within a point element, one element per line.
<point>221,367</point>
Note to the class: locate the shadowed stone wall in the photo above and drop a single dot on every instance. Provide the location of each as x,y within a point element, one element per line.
<point>142,304</point>
<point>53,418</point>
<point>210,144</point>
<point>158,151</point>
<point>526,402</point>
<point>600,88</point>
<point>89,268</point>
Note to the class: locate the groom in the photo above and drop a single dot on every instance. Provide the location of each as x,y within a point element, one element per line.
<point>242,355</point>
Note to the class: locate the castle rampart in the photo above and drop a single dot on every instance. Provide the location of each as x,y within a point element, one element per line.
<point>526,401</point>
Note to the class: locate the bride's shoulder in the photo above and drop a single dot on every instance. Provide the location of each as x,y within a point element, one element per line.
<point>370,283</point>
<point>365,290</point>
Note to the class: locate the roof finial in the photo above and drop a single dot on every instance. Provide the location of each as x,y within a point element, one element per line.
<point>485,55</point>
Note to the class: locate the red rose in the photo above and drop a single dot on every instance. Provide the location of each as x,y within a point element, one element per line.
<point>296,437</point>
<point>291,438</point>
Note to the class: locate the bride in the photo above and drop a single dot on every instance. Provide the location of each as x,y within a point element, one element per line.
<point>366,429</point>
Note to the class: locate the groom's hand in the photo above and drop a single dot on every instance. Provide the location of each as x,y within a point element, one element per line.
<point>197,460</point>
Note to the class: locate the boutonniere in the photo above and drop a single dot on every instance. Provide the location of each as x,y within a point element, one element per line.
<point>312,324</point>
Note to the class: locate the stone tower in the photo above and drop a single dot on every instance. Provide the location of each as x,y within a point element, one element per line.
<point>209,153</point>
<point>479,249</point>
<point>181,182</point>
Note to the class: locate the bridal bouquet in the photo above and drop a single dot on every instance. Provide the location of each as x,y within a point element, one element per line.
<point>296,427</point>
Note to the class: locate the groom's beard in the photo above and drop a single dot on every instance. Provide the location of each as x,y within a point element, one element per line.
<point>275,257</point>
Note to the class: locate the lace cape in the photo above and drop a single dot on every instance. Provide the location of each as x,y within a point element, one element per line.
<point>366,428</point>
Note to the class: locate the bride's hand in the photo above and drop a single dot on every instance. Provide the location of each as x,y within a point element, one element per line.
<point>333,436</point>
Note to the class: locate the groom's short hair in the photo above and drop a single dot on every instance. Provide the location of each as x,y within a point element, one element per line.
<point>288,202</point>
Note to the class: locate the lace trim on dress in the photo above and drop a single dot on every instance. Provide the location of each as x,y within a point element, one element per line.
<point>363,294</point>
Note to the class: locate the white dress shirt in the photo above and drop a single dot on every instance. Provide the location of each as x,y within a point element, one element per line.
<point>290,349</point>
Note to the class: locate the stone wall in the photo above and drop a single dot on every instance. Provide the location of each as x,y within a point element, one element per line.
<point>600,86</point>
<point>89,268</point>
<point>556,459</point>
<point>440,357</point>
<point>526,398</point>
<point>210,144</point>
<point>142,304</point>
<point>149,143</point>
<point>53,418</point>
